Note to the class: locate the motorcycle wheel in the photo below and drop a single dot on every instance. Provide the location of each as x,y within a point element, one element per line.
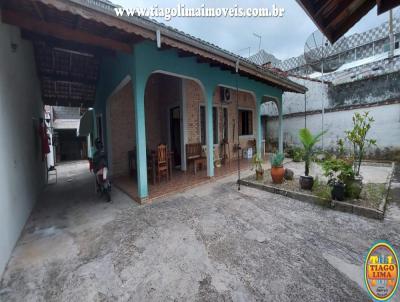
<point>108,196</point>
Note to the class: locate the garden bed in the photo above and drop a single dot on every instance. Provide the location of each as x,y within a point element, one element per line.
<point>372,202</point>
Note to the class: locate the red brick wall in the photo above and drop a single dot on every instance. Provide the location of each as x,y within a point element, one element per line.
<point>161,93</point>
<point>195,98</point>
<point>122,128</point>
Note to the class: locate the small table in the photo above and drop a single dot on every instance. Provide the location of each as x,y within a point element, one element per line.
<point>202,161</point>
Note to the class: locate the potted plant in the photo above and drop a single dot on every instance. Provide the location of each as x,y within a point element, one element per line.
<point>298,155</point>
<point>277,170</point>
<point>358,137</point>
<point>308,141</point>
<point>339,172</point>
<point>257,165</point>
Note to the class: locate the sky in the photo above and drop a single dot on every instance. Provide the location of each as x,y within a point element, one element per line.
<point>283,37</point>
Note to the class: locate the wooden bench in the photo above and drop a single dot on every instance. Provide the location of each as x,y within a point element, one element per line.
<point>193,153</point>
<point>199,162</point>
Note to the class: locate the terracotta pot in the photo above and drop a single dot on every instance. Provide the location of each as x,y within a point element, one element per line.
<point>259,175</point>
<point>277,174</point>
<point>306,182</point>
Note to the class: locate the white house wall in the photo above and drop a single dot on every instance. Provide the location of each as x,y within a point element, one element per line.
<point>386,129</point>
<point>22,171</point>
<point>341,102</point>
<point>294,102</point>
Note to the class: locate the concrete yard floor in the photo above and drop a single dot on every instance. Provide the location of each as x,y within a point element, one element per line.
<point>211,243</point>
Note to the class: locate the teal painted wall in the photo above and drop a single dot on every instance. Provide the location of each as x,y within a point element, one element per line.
<point>147,59</point>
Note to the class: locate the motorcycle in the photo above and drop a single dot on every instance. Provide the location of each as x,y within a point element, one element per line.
<point>103,183</point>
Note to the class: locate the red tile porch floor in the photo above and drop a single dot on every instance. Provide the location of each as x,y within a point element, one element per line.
<point>180,181</point>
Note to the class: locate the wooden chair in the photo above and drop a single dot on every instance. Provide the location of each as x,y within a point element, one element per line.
<point>193,152</point>
<point>162,162</point>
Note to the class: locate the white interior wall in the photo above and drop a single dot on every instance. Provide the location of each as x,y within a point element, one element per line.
<point>22,171</point>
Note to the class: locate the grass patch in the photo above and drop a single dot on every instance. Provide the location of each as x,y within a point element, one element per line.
<point>321,189</point>
<point>372,195</point>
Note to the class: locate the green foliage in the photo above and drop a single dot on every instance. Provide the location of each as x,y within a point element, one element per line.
<point>320,156</point>
<point>309,141</point>
<point>257,162</point>
<point>277,160</point>
<point>362,123</point>
<point>298,154</point>
<point>289,151</point>
<point>340,148</point>
<point>353,189</point>
<point>374,194</point>
<point>321,189</point>
<point>338,171</point>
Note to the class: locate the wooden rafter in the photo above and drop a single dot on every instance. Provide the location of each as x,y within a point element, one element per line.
<point>98,21</point>
<point>74,46</point>
<point>38,10</point>
<point>335,17</point>
<point>62,32</point>
<point>385,5</point>
<point>184,54</point>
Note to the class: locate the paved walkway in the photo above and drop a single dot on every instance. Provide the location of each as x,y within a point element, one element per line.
<point>211,243</point>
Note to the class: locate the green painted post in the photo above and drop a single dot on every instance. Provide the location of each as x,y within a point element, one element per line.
<point>259,126</point>
<point>139,85</point>
<point>280,133</point>
<point>209,131</point>
<point>147,59</point>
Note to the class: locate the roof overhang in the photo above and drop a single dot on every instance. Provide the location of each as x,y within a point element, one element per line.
<point>335,17</point>
<point>123,32</point>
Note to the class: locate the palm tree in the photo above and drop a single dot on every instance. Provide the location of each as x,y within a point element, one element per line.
<point>308,140</point>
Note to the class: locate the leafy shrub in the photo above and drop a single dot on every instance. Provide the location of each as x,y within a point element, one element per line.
<point>338,171</point>
<point>298,154</point>
<point>277,160</point>
<point>362,123</point>
<point>257,163</point>
<point>321,189</point>
<point>308,140</point>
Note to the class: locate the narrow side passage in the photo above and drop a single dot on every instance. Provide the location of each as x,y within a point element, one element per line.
<point>60,226</point>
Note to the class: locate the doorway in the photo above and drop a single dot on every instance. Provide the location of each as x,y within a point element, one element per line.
<point>175,133</point>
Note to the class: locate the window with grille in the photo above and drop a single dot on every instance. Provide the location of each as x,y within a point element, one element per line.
<point>245,122</point>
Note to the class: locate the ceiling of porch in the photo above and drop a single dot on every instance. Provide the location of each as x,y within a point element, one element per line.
<point>71,37</point>
<point>68,49</point>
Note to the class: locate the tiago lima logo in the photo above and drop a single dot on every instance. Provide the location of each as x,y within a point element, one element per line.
<point>381,271</point>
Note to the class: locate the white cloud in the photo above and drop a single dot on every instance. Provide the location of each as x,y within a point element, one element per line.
<point>283,37</point>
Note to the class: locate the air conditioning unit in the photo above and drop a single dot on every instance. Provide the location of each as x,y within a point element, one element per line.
<point>225,95</point>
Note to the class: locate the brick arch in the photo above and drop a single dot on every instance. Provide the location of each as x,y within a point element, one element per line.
<point>165,90</point>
